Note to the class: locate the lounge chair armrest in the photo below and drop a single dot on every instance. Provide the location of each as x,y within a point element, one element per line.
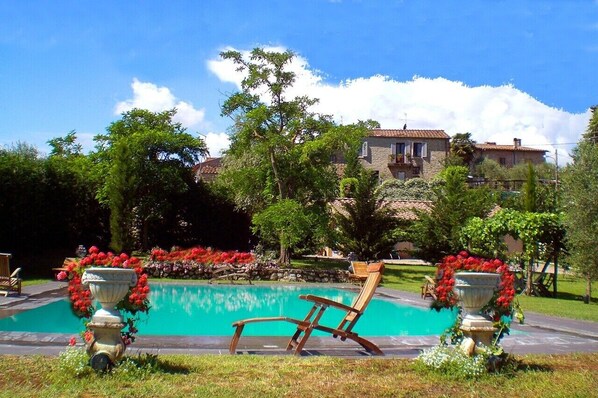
<point>325,301</point>
<point>15,274</point>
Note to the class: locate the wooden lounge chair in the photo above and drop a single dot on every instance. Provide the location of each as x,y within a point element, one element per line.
<point>360,271</point>
<point>230,273</point>
<point>9,282</point>
<point>311,321</point>
<point>429,288</point>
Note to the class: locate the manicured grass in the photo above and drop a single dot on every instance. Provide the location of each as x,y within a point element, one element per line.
<point>277,376</point>
<point>31,282</point>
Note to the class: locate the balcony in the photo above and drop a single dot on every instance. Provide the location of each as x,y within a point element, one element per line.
<point>399,160</point>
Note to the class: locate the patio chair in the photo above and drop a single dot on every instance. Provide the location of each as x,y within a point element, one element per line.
<point>9,282</point>
<point>311,321</point>
<point>429,288</point>
<point>230,273</point>
<point>359,271</point>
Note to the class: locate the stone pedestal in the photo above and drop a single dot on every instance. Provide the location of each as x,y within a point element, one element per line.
<point>109,286</point>
<point>475,289</point>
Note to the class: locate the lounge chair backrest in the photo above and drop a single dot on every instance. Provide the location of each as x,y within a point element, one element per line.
<point>360,268</point>
<point>367,292</point>
<point>5,264</point>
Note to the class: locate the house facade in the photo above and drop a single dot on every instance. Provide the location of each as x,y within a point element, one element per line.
<point>405,154</point>
<point>509,155</point>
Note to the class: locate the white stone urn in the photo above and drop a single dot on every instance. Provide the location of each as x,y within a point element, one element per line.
<point>475,289</point>
<point>108,286</point>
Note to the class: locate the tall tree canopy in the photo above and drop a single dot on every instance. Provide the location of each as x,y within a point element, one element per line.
<point>280,149</point>
<point>437,233</point>
<point>143,159</point>
<point>580,190</point>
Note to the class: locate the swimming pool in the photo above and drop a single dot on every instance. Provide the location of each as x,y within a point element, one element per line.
<point>210,310</point>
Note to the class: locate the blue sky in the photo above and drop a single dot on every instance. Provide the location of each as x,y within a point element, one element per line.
<point>498,69</point>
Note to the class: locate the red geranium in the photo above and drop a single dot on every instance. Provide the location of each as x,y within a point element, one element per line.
<point>135,301</point>
<point>502,302</point>
<point>202,255</point>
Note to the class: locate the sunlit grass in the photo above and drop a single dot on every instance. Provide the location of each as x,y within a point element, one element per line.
<point>287,376</point>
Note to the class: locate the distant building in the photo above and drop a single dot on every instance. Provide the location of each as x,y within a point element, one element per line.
<point>207,170</point>
<point>405,154</point>
<point>509,155</point>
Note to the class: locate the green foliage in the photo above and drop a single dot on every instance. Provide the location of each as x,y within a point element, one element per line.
<point>412,189</point>
<point>491,170</point>
<point>463,147</point>
<point>48,206</point>
<point>542,234</point>
<point>364,225</point>
<point>285,222</point>
<point>74,362</point>
<point>279,148</point>
<point>347,187</point>
<point>143,159</point>
<point>580,190</point>
<point>453,363</point>
<point>529,190</point>
<point>437,233</point>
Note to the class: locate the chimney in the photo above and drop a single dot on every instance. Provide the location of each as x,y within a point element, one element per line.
<point>516,142</point>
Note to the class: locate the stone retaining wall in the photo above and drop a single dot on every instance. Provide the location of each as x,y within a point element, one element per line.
<point>271,272</point>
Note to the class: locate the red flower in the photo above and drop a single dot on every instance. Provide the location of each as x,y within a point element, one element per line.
<point>80,296</point>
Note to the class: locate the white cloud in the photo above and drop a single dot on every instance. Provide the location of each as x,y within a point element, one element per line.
<point>489,113</point>
<point>156,99</point>
<point>217,143</point>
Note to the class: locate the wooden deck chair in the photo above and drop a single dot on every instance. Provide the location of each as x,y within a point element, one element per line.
<point>311,321</point>
<point>9,282</point>
<point>429,288</point>
<point>230,273</point>
<point>360,271</point>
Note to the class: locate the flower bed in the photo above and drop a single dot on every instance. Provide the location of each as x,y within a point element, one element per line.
<point>201,263</point>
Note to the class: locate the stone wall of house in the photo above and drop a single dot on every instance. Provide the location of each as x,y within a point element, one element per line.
<point>379,151</point>
<point>511,157</point>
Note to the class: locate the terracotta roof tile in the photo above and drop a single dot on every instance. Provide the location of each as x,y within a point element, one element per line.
<point>396,133</point>
<point>209,166</point>
<point>494,147</point>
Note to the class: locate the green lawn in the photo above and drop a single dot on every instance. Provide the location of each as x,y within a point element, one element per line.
<point>572,375</point>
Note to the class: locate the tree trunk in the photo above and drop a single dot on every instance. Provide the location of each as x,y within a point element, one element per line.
<point>529,283</point>
<point>587,298</point>
<point>285,256</point>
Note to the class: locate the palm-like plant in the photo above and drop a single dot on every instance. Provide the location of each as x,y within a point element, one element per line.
<point>365,225</point>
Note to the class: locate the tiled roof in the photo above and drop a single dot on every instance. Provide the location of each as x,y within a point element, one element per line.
<point>209,166</point>
<point>494,147</point>
<point>396,133</point>
<point>404,209</point>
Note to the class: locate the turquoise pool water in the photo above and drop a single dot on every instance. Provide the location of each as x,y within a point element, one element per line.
<point>210,310</point>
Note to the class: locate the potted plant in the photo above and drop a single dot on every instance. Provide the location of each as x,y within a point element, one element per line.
<point>120,286</point>
<point>484,290</point>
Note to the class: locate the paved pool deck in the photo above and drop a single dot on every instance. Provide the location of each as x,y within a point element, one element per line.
<point>539,335</point>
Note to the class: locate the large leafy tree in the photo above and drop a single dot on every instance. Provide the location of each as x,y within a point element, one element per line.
<point>280,150</point>
<point>142,160</point>
<point>437,233</point>
<point>364,224</point>
<point>580,190</point>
